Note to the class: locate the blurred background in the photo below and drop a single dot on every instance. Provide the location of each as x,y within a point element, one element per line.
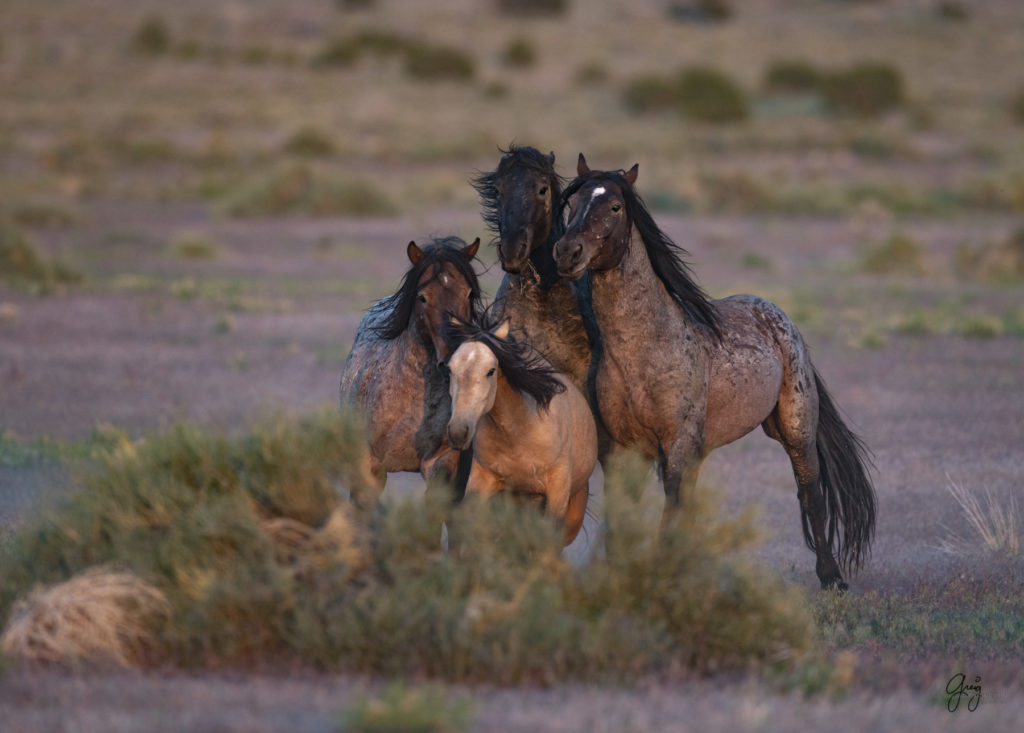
<point>199,199</point>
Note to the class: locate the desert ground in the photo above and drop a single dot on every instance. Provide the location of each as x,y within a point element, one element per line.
<point>208,292</point>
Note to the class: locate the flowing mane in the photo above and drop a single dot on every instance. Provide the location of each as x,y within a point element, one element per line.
<point>666,257</point>
<point>526,371</point>
<point>486,185</point>
<point>440,251</point>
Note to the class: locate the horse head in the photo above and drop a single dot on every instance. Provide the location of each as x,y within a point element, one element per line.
<point>444,286</point>
<point>474,373</point>
<point>598,223</point>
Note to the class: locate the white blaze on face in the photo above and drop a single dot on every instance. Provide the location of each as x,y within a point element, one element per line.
<point>471,388</point>
<point>599,191</point>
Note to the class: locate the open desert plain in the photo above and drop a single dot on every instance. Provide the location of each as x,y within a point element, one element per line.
<point>200,200</point>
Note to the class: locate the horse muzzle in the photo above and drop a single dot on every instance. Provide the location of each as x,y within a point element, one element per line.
<point>460,435</point>
<point>569,258</point>
<point>514,252</point>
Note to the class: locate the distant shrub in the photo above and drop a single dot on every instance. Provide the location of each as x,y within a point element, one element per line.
<point>952,11</point>
<point>708,95</point>
<point>299,189</point>
<point>1000,261</point>
<point>20,261</point>
<point>152,37</point>
<point>533,7</point>
<point>436,63</point>
<point>310,142</point>
<point>354,4</point>
<point>411,710</point>
<point>195,246</point>
<point>1017,107</point>
<point>792,75</point>
<point>338,53</point>
<point>519,53</point>
<point>381,42</point>
<point>901,254</point>
<point>864,90</point>
<point>651,93</point>
<point>700,11</point>
<point>592,74</point>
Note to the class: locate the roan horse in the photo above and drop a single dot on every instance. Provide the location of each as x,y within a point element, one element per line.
<point>682,375</point>
<point>522,204</point>
<point>531,430</point>
<point>394,375</point>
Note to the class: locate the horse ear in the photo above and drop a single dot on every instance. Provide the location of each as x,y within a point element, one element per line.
<point>631,174</point>
<point>503,329</point>
<point>470,249</point>
<point>582,168</point>
<point>551,157</point>
<point>414,252</point>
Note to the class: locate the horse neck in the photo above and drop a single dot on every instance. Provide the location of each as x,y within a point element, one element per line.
<point>513,412</point>
<point>629,299</point>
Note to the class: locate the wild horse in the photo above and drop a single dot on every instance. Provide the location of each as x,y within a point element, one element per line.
<point>682,374</point>
<point>395,376</point>
<point>530,429</point>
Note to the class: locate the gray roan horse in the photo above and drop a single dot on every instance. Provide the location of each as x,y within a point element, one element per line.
<point>531,430</point>
<point>681,375</point>
<point>394,375</point>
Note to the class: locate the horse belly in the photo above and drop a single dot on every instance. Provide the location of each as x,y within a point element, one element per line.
<point>743,389</point>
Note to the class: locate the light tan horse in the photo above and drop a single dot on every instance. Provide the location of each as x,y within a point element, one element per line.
<point>531,429</point>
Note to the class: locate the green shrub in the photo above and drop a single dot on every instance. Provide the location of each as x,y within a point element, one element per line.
<point>21,262</point>
<point>709,95</point>
<point>195,246</point>
<point>263,560</point>
<point>651,93</point>
<point>310,142</point>
<point>436,63</point>
<point>792,75</point>
<point>1017,107</point>
<point>901,254</point>
<point>336,53</point>
<point>952,11</point>
<point>299,189</point>
<point>700,11</point>
<point>533,7</point>
<point>409,710</point>
<point>864,90</point>
<point>152,38</point>
<point>519,53</point>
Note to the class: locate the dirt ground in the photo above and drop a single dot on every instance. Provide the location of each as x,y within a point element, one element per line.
<point>151,338</point>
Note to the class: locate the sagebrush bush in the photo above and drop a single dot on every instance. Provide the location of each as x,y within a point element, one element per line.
<point>152,38</point>
<point>699,93</point>
<point>262,558</point>
<point>301,189</point>
<point>310,142</point>
<point>20,261</point>
<point>700,11</point>
<point>998,261</point>
<point>866,90</point>
<point>900,254</point>
<point>519,53</point>
<point>428,62</point>
<point>792,75</point>
<point>533,7</point>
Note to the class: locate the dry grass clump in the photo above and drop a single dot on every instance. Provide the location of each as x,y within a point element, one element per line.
<point>304,190</point>
<point>409,710</point>
<point>999,261</point>
<point>192,245</point>
<point>262,558</point>
<point>995,524</point>
<point>98,615</point>
<point>900,254</point>
<point>20,260</point>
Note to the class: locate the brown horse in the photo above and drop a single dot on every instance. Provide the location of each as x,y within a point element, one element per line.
<point>531,430</point>
<point>394,375</point>
<point>682,375</point>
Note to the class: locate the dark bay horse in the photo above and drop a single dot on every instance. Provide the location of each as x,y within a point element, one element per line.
<point>531,430</point>
<point>682,375</point>
<point>522,204</point>
<point>394,375</point>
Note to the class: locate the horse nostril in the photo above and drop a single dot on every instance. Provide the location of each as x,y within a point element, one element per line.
<point>577,254</point>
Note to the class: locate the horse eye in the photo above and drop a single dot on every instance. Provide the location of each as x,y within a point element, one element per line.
<point>423,298</point>
<point>616,207</point>
<point>491,372</point>
<point>543,191</point>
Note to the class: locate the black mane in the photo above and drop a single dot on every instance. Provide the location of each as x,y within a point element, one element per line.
<point>486,185</point>
<point>526,371</point>
<point>666,257</point>
<point>440,251</point>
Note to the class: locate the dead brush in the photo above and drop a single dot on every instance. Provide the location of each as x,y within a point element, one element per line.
<point>98,615</point>
<point>995,523</point>
<point>341,540</point>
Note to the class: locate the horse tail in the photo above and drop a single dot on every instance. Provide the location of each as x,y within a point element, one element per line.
<point>462,470</point>
<point>844,461</point>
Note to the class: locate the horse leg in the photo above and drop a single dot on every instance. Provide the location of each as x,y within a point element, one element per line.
<point>372,478</point>
<point>799,440</point>
<point>575,512</point>
<point>679,468</point>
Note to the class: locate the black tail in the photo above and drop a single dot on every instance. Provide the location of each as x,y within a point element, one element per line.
<point>843,461</point>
